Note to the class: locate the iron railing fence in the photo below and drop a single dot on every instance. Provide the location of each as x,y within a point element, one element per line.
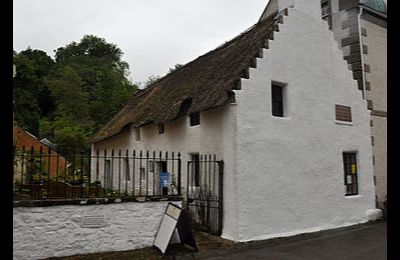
<point>44,174</point>
<point>204,192</point>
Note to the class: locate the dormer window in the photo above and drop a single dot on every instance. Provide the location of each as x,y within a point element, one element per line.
<point>161,129</point>
<point>137,134</point>
<point>195,119</point>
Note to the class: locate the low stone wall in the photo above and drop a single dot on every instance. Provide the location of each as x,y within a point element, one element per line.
<point>41,232</point>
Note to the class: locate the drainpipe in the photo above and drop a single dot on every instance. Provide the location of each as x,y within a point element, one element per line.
<point>361,52</point>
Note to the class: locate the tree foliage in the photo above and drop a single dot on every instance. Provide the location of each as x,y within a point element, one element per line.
<point>31,97</point>
<point>68,99</point>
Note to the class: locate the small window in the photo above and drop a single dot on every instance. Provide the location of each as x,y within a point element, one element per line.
<point>137,134</point>
<point>161,129</point>
<point>343,113</point>
<point>277,100</point>
<point>350,173</point>
<point>195,119</point>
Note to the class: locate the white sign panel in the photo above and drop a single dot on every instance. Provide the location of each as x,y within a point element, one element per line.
<point>167,227</point>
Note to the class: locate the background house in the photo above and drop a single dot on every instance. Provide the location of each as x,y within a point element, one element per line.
<point>279,105</point>
<point>360,28</point>
<point>53,163</point>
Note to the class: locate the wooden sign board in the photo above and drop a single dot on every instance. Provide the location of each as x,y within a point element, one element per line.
<point>174,219</point>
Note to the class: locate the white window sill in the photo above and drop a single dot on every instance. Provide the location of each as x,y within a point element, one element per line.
<point>281,117</point>
<point>353,196</point>
<point>343,123</point>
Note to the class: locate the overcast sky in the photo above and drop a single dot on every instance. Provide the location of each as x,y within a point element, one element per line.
<point>153,34</point>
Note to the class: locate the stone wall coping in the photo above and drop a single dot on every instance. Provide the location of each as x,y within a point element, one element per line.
<point>92,201</point>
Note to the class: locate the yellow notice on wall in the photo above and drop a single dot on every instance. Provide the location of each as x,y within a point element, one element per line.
<point>353,169</point>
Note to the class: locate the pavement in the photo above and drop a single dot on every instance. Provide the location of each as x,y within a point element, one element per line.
<point>366,241</point>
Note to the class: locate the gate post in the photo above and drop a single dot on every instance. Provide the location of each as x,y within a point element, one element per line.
<point>220,194</point>
<point>179,174</point>
<point>14,166</point>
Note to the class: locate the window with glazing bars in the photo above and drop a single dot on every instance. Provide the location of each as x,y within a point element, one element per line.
<point>350,173</point>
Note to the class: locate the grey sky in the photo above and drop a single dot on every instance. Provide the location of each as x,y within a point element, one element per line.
<point>154,34</point>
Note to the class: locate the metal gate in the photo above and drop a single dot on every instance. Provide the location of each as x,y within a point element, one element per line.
<point>204,192</point>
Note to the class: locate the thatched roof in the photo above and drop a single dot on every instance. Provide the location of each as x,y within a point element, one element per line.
<point>203,84</point>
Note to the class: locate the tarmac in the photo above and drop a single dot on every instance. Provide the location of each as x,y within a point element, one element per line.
<point>364,241</point>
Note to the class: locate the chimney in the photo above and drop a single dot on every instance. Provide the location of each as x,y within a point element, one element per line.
<point>310,7</point>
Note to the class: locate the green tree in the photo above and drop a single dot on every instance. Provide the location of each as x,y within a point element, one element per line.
<point>31,97</point>
<point>68,99</point>
<point>66,89</point>
<point>151,80</point>
<point>177,66</point>
<point>89,85</point>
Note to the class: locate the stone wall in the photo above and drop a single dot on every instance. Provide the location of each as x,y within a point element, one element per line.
<point>41,232</point>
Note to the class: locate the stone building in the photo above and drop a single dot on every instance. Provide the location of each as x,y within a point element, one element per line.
<point>360,28</point>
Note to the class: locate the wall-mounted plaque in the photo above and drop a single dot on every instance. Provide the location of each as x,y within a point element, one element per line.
<point>93,221</point>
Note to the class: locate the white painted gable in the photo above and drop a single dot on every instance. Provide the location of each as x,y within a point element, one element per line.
<point>288,173</point>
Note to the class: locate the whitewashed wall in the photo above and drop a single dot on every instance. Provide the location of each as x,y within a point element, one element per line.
<point>288,173</point>
<point>42,232</point>
<point>283,176</point>
<point>179,136</point>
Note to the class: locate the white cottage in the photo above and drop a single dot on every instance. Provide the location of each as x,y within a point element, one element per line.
<point>278,104</point>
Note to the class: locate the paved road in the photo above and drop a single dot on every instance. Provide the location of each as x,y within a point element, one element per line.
<point>365,242</point>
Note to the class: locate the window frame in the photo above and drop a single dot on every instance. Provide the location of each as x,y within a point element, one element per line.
<point>349,158</point>
<point>194,119</point>
<point>278,103</point>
